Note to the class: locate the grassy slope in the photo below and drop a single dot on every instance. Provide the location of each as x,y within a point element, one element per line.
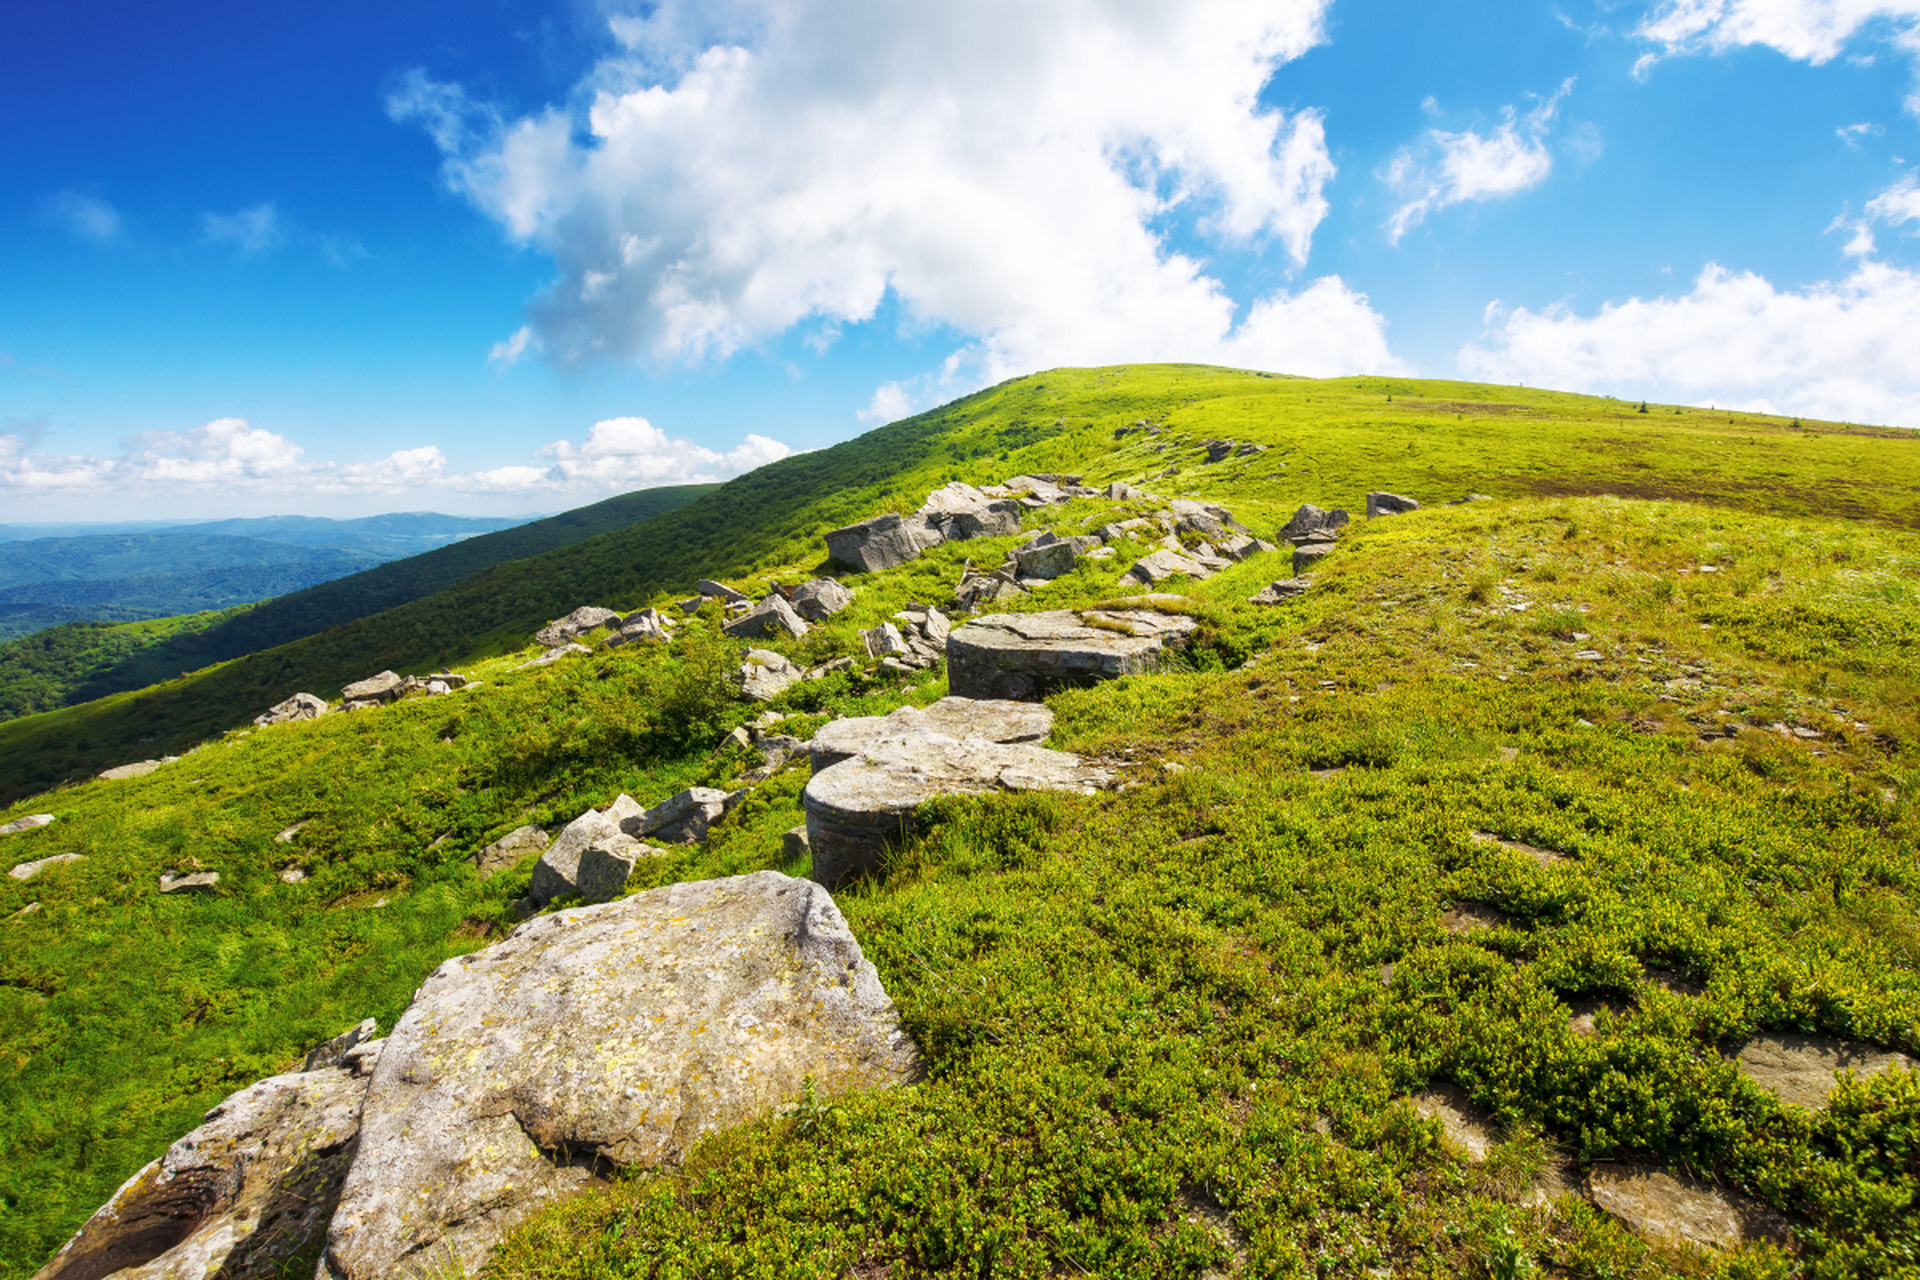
<point>1138,1008</point>
<point>40,672</point>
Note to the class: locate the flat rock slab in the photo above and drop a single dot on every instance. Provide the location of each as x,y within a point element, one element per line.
<point>1545,857</point>
<point>765,675</point>
<point>27,823</point>
<point>1467,1128</point>
<point>138,769</point>
<point>1024,656</point>
<point>1676,1211</point>
<point>1803,1069</point>
<point>611,1035</point>
<point>28,870</point>
<point>855,808</point>
<point>509,849</point>
<point>244,1196</point>
<point>989,719</point>
<point>192,882</point>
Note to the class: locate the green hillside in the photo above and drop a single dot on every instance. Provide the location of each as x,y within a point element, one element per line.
<point>40,672</point>
<point>1173,1030</point>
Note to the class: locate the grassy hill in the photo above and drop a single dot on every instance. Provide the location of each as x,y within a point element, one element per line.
<point>1182,1022</point>
<point>94,662</point>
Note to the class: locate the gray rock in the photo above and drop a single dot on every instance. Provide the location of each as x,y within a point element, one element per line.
<point>721,591</point>
<point>980,590</point>
<point>1181,509</point>
<point>684,819</point>
<point>1119,491</point>
<point>820,599</point>
<point>509,849</point>
<point>766,675</point>
<point>1160,566</point>
<point>576,624</point>
<point>1389,504</point>
<point>557,874</point>
<point>27,823</point>
<point>1674,1211</point>
<point>883,640</point>
<point>246,1195</point>
<point>301,706</point>
<point>614,1035</point>
<point>1280,592</point>
<point>334,1052</point>
<point>28,870</point>
<point>884,542</point>
<point>1803,1069</point>
<point>607,863</point>
<point>549,657</point>
<point>384,687</point>
<point>957,512</point>
<point>293,875</point>
<point>1023,656</point>
<point>1468,1129</point>
<point>1308,554</point>
<point>1311,521</point>
<point>793,843</point>
<point>859,806</point>
<point>193,882</point>
<point>990,720</point>
<point>1219,450</point>
<point>771,617</point>
<point>138,769</point>
<point>936,628</point>
<point>1036,487</point>
<point>1047,562</point>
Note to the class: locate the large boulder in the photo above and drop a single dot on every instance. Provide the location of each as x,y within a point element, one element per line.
<point>857,807</point>
<point>246,1195</point>
<point>1389,504</point>
<point>1023,656</point>
<point>771,617</point>
<point>557,874</point>
<point>884,542</point>
<point>991,720</point>
<point>301,706</point>
<point>957,512</point>
<point>1311,521</point>
<point>614,1035</point>
<point>576,624</point>
<point>384,687</point>
<point>820,599</point>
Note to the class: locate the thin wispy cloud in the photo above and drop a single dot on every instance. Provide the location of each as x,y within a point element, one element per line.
<point>1447,167</point>
<point>85,216</point>
<point>1814,31</point>
<point>247,232</point>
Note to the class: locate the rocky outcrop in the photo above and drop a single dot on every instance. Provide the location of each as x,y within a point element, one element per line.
<point>27,823</point>
<point>884,542</point>
<point>988,720</point>
<point>1389,504</point>
<point>28,870</point>
<point>1802,1070</point>
<point>857,807</point>
<point>1023,656</point>
<point>138,769</point>
<point>605,1036</point>
<point>1311,521</point>
<point>245,1195</point>
<point>509,849</point>
<point>771,617</point>
<point>301,706</point>
<point>576,624</point>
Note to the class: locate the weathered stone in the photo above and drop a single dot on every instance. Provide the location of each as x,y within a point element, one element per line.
<point>883,640</point>
<point>721,591</point>
<point>28,870</point>
<point>334,1052</point>
<point>301,706</point>
<point>192,882</point>
<point>1674,1211</point>
<point>771,617</point>
<point>1035,486</point>
<point>557,874</point>
<point>884,542</point>
<point>936,628</point>
<point>1389,504</point>
<point>509,849</point>
<point>384,687</point>
<point>1119,491</point>
<point>1159,566</point>
<point>1219,450</point>
<point>576,624</point>
<point>1467,1128</point>
<point>246,1195</point>
<point>1046,562</point>
<point>957,512</point>
<point>1311,521</point>
<point>27,823</point>
<point>766,674</point>
<point>138,769</point>
<point>615,1035</point>
<point>793,843</point>
<point>1023,656</point>
<point>855,808</point>
<point>1280,592</point>
<point>684,818</point>
<point>989,720</point>
<point>549,657</point>
<point>1181,509</point>
<point>607,863</point>
<point>984,589</point>
<point>1803,1069</point>
<point>820,599</point>
<point>1308,554</point>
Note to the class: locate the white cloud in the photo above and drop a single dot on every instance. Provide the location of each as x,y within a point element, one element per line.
<point>1898,203</point>
<point>1841,350</point>
<point>1814,31</point>
<point>1006,168</point>
<point>249,231</point>
<point>1852,134</point>
<point>1446,168</point>
<point>507,352</point>
<point>632,453</point>
<point>88,217</point>
<point>400,470</point>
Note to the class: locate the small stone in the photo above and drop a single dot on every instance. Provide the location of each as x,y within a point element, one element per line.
<point>684,818</point>
<point>139,769</point>
<point>547,658</point>
<point>766,675</point>
<point>192,882</point>
<point>293,875</point>
<point>1313,522</point>
<point>1307,554</point>
<point>28,870</point>
<point>384,687</point>
<point>1280,592</point>
<point>721,591</point>
<point>1389,504</point>
<point>27,823</point>
<point>771,617</point>
<point>301,706</point>
<point>1160,566</point>
<point>793,843</point>
<point>607,864</point>
<point>883,640</point>
<point>820,599</point>
<point>286,837</point>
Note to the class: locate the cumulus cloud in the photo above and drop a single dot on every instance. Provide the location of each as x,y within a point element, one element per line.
<point>632,453</point>
<point>1447,168</point>
<point>1814,31</point>
<point>1007,169</point>
<point>1841,350</point>
<point>248,231</point>
<point>85,216</point>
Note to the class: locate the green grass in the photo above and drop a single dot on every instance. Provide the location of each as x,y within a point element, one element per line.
<point>1206,998</point>
<point>42,671</point>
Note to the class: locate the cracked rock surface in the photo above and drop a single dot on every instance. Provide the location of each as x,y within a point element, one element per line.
<point>602,1036</point>
<point>1023,656</point>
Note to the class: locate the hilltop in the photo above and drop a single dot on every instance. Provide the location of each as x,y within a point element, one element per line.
<point>1527,814</point>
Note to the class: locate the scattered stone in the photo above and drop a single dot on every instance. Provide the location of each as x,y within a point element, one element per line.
<point>1802,1069</point>
<point>293,875</point>
<point>1389,504</point>
<point>509,849</point>
<point>1238,546</point>
<point>1308,554</point>
<point>1121,492</point>
<point>957,512</point>
<point>793,843</point>
<point>301,706</point>
<point>28,870</point>
<point>771,617</point>
<point>139,769</point>
<point>32,908</point>
<point>1467,1128</point>
<point>334,1052</point>
<point>1673,1211</point>
<point>553,655</point>
<point>557,874</point>
<point>820,599</point>
<point>1219,450</point>
<point>1159,566</point>
<point>883,640</point>
<point>1043,490</point>
<point>1588,655</point>
<point>614,1035</point>
<point>1023,656</point>
<point>1545,857</point>
<point>721,591</point>
<point>382,688</point>
<point>247,1194</point>
<point>1280,592</point>
<point>192,882</point>
<point>884,542</point>
<point>1048,561</point>
<point>1311,521</point>
<point>27,823</point>
<point>988,720</point>
<point>287,836</point>
<point>607,864</point>
<point>856,807</point>
<point>976,591</point>
<point>576,624</point>
<point>684,819</point>
<point>766,675</point>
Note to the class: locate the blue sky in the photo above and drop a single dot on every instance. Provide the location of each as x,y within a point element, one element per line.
<point>503,256</point>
